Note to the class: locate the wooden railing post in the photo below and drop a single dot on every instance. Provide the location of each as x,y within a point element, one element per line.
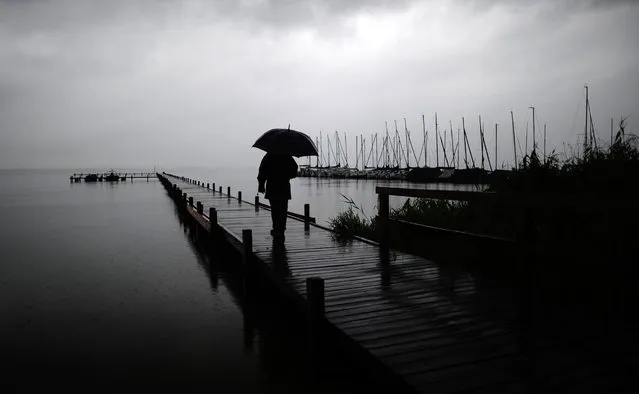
<point>213,187</point>
<point>208,185</point>
<point>383,207</point>
<point>200,208</point>
<point>257,203</point>
<point>220,189</point>
<point>184,199</point>
<point>239,197</point>
<point>191,202</point>
<point>228,191</point>
<point>307,217</point>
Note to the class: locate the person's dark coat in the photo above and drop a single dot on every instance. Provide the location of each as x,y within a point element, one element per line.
<point>276,171</point>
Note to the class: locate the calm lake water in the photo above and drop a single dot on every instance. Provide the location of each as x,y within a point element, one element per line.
<point>100,285</point>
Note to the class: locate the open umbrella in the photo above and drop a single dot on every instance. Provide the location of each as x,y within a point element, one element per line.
<point>286,142</point>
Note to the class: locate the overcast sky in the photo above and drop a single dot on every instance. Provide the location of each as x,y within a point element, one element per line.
<point>125,83</point>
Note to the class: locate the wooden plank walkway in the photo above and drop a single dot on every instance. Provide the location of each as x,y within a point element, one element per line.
<point>437,329</point>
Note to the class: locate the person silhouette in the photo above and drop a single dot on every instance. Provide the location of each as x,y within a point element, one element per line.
<point>275,173</point>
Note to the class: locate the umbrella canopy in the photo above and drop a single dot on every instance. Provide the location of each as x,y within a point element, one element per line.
<point>286,142</point>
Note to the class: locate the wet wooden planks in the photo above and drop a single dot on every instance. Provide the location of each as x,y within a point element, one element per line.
<point>423,321</point>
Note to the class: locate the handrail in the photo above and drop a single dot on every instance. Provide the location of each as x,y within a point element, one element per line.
<point>457,195</point>
<point>574,201</point>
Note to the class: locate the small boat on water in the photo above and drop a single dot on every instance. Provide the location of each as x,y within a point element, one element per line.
<point>91,178</point>
<point>112,177</point>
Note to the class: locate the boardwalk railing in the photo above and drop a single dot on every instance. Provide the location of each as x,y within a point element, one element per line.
<point>306,217</point>
<point>384,193</point>
<point>529,205</point>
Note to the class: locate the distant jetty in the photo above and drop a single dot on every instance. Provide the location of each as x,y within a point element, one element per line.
<point>110,176</point>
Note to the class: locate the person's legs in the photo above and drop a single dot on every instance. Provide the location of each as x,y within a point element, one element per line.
<point>283,215</point>
<point>273,204</point>
<point>279,207</point>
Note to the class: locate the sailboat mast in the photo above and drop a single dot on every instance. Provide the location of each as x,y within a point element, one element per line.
<point>533,137</point>
<point>458,155</point>
<point>512,120</point>
<point>481,143</point>
<point>387,159</point>
<point>407,150</point>
<point>586,124</point>
<point>321,150</point>
<point>496,146</point>
<point>345,150</point>
<point>356,153</point>
<point>452,140</point>
<point>425,141</point>
<point>436,140</point>
<point>465,148</point>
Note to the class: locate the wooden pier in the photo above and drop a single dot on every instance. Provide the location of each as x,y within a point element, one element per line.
<point>422,326</point>
<point>121,176</point>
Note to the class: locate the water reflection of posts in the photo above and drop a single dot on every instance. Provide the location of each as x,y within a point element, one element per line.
<point>212,224</point>
<point>247,248</point>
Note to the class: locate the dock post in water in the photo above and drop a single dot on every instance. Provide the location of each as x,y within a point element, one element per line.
<point>307,217</point>
<point>208,185</point>
<point>257,203</point>
<point>239,197</point>
<point>228,191</point>
<point>247,245</point>
<point>213,187</point>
